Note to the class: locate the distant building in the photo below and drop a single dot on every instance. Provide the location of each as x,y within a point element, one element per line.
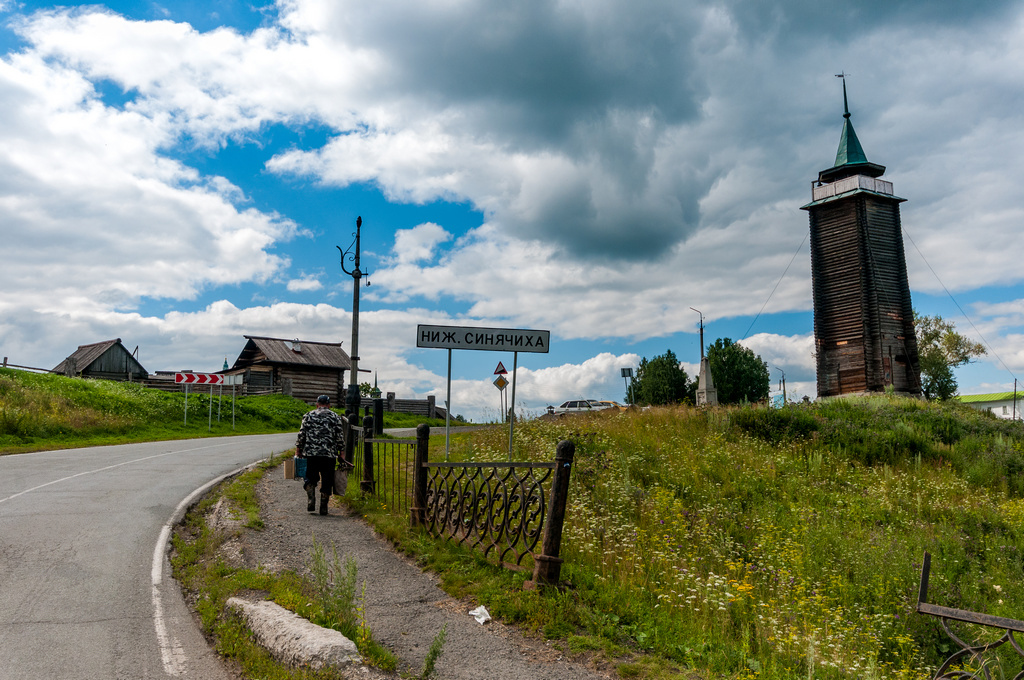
<point>999,404</point>
<point>107,360</point>
<point>863,317</point>
<point>302,368</point>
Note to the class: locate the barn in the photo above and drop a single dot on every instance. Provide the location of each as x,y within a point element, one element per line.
<point>107,360</point>
<point>302,368</point>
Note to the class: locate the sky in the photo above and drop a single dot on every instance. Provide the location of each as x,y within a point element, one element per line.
<point>182,174</point>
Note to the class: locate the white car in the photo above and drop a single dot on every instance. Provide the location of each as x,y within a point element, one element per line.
<point>578,406</point>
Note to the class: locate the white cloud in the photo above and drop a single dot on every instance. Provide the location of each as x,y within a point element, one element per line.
<point>95,218</point>
<point>419,243</point>
<point>793,355</point>
<point>304,284</point>
<point>628,165</point>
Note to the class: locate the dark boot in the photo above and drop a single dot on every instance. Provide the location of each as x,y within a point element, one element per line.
<point>311,495</point>
<point>324,497</point>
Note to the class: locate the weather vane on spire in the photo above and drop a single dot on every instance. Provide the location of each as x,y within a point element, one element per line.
<point>846,107</point>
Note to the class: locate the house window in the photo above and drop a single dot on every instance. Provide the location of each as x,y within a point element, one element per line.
<point>1006,410</point>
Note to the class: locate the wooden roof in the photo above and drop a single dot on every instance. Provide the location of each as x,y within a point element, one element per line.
<point>86,355</point>
<point>262,350</point>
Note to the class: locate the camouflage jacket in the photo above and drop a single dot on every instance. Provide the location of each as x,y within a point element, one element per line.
<point>322,434</point>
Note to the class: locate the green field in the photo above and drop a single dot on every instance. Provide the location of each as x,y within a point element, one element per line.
<point>759,543</point>
<point>43,411</point>
<point>719,543</point>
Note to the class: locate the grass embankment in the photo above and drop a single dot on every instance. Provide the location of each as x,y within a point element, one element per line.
<point>42,411</point>
<point>329,598</point>
<point>755,543</point>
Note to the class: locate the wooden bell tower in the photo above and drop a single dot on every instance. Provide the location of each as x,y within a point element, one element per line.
<point>863,317</point>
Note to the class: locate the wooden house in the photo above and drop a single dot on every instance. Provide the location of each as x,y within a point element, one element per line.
<point>863,318</point>
<point>301,368</point>
<point>107,360</point>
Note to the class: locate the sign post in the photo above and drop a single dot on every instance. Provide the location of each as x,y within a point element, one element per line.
<point>513,340</point>
<point>501,383</point>
<point>210,379</point>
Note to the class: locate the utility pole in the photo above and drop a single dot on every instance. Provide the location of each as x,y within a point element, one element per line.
<point>352,396</point>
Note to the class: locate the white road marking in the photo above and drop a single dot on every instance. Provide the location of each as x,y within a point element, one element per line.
<point>171,652</point>
<point>108,467</point>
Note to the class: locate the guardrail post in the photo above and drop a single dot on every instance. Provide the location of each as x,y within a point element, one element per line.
<point>418,511</point>
<point>367,482</point>
<point>547,567</point>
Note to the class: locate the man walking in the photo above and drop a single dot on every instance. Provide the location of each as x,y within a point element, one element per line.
<point>321,439</point>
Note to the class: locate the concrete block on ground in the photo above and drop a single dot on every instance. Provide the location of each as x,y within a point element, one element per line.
<point>294,640</point>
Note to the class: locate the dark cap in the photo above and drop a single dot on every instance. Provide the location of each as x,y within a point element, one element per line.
<point>323,399</point>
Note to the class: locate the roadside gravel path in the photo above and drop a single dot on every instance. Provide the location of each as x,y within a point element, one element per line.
<point>404,606</point>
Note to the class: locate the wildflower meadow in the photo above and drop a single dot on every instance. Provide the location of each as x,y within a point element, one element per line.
<point>760,543</point>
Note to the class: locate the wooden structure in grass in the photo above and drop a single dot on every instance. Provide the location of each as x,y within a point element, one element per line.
<point>863,316</point>
<point>107,360</point>
<point>310,368</point>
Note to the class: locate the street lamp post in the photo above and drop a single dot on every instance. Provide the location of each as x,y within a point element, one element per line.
<point>701,331</point>
<point>352,395</point>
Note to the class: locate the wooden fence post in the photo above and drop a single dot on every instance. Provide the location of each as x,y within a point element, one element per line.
<point>366,485</point>
<point>547,567</point>
<point>418,511</point>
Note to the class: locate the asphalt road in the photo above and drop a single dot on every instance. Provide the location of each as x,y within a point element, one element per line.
<point>85,587</point>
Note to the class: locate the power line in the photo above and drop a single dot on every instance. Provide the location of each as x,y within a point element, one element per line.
<point>776,287</point>
<point>935,274</point>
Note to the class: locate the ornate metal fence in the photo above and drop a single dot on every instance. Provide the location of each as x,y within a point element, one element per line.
<point>498,508</point>
<point>507,510</point>
<point>972,660</point>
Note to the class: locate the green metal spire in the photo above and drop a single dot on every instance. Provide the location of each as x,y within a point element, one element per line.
<point>850,150</point>
<point>850,158</point>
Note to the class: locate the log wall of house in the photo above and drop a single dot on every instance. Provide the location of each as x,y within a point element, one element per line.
<point>863,320</point>
<point>309,383</point>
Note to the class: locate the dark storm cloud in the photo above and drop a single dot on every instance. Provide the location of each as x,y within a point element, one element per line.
<point>537,69</point>
<point>794,22</point>
<point>614,124</point>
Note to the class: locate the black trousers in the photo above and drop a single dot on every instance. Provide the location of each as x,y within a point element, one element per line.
<point>320,469</point>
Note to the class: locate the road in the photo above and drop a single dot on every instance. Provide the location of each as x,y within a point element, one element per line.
<point>85,587</point>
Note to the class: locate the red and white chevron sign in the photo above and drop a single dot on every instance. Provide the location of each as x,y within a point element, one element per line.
<point>199,378</point>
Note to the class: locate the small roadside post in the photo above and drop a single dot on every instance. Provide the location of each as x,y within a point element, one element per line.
<point>501,384</point>
<point>210,379</point>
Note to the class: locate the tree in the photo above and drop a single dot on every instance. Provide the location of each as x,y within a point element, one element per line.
<point>940,349</point>
<point>739,374</point>
<point>660,381</point>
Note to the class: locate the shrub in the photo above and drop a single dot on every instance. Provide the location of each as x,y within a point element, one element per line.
<point>776,425</point>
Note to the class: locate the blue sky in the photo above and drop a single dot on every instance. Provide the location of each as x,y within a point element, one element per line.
<point>180,174</point>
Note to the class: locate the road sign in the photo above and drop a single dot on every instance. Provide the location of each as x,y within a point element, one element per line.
<point>490,339</point>
<point>501,383</point>
<point>199,378</point>
<point>500,370</point>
